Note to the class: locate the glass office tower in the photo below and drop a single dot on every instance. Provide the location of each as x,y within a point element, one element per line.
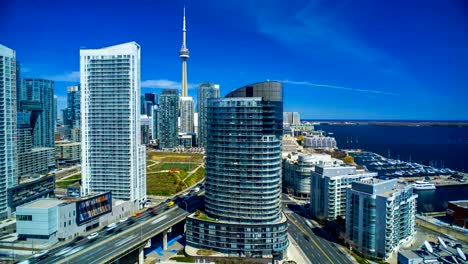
<point>42,91</point>
<point>243,175</point>
<point>112,157</point>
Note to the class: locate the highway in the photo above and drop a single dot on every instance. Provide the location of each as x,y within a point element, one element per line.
<point>124,238</point>
<point>310,238</point>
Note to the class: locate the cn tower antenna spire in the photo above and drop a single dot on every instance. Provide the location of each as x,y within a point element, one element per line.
<point>184,55</point>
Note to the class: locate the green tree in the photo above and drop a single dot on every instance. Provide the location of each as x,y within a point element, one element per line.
<point>348,160</point>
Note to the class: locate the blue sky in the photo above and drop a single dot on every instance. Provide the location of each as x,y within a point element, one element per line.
<point>338,59</point>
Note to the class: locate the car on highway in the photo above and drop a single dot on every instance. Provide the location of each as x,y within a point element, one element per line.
<point>111,227</point>
<point>171,203</point>
<point>93,235</point>
<point>151,210</point>
<point>123,220</point>
<point>42,255</point>
<point>136,214</point>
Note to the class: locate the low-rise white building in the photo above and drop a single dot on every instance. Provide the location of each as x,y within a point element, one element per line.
<point>319,142</point>
<point>51,220</point>
<point>328,187</point>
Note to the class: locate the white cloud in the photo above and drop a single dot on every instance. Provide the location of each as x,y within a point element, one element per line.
<point>341,88</point>
<point>73,76</point>
<point>164,84</point>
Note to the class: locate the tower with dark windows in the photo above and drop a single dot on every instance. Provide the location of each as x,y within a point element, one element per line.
<point>243,175</point>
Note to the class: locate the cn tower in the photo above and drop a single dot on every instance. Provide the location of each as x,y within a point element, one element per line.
<point>184,54</point>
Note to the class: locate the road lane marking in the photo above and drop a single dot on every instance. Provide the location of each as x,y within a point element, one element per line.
<point>313,240</point>
<point>159,219</point>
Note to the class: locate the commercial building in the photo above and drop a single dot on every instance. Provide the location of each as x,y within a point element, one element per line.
<point>292,118</point>
<point>187,140</point>
<point>380,216</point>
<point>167,119</point>
<point>29,190</point>
<point>146,127</point>
<point>328,187</point>
<point>42,91</point>
<point>48,221</point>
<point>186,114</point>
<point>71,114</point>
<point>205,91</point>
<point>67,152</point>
<point>319,142</point>
<point>112,156</point>
<point>243,175</point>
<point>148,102</point>
<point>297,169</point>
<point>8,155</point>
<point>457,212</point>
<point>154,123</point>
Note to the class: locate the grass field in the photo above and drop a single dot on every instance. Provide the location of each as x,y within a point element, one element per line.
<point>172,166</point>
<point>170,157</point>
<point>195,177</point>
<point>163,182</point>
<point>62,184</point>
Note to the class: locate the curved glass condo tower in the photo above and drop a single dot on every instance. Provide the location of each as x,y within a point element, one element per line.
<point>243,175</point>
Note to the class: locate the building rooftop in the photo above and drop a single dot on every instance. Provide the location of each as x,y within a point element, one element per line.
<point>460,203</point>
<point>43,203</point>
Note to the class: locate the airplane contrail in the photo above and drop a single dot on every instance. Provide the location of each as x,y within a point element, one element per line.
<point>341,88</point>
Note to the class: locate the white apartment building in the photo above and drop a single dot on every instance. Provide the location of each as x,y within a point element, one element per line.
<point>328,187</point>
<point>297,169</point>
<point>112,156</point>
<point>186,115</point>
<point>8,155</point>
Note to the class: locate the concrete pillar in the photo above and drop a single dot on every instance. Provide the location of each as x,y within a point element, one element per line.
<point>165,237</point>
<point>165,240</point>
<point>141,257</point>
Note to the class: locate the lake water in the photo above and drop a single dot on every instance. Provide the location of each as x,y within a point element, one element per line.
<point>444,146</point>
<point>439,146</point>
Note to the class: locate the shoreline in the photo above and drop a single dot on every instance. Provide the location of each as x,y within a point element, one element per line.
<point>395,123</point>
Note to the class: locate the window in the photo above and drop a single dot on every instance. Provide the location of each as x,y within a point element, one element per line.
<point>24,217</point>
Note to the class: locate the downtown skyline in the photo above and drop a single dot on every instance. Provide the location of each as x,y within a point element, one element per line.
<point>354,60</point>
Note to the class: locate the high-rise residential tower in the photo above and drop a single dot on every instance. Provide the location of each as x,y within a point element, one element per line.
<point>42,91</point>
<point>8,156</point>
<point>112,157</point>
<point>205,91</point>
<point>167,119</point>
<point>186,114</point>
<point>243,175</point>
<point>73,117</point>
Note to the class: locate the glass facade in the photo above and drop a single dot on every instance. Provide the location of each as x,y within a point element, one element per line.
<point>186,114</point>
<point>42,91</point>
<point>243,174</point>
<point>72,119</point>
<point>8,156</point>
<point>205,92</point>
<point>380,215</point>
<point>167,113</point>
<point>113,158</point>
